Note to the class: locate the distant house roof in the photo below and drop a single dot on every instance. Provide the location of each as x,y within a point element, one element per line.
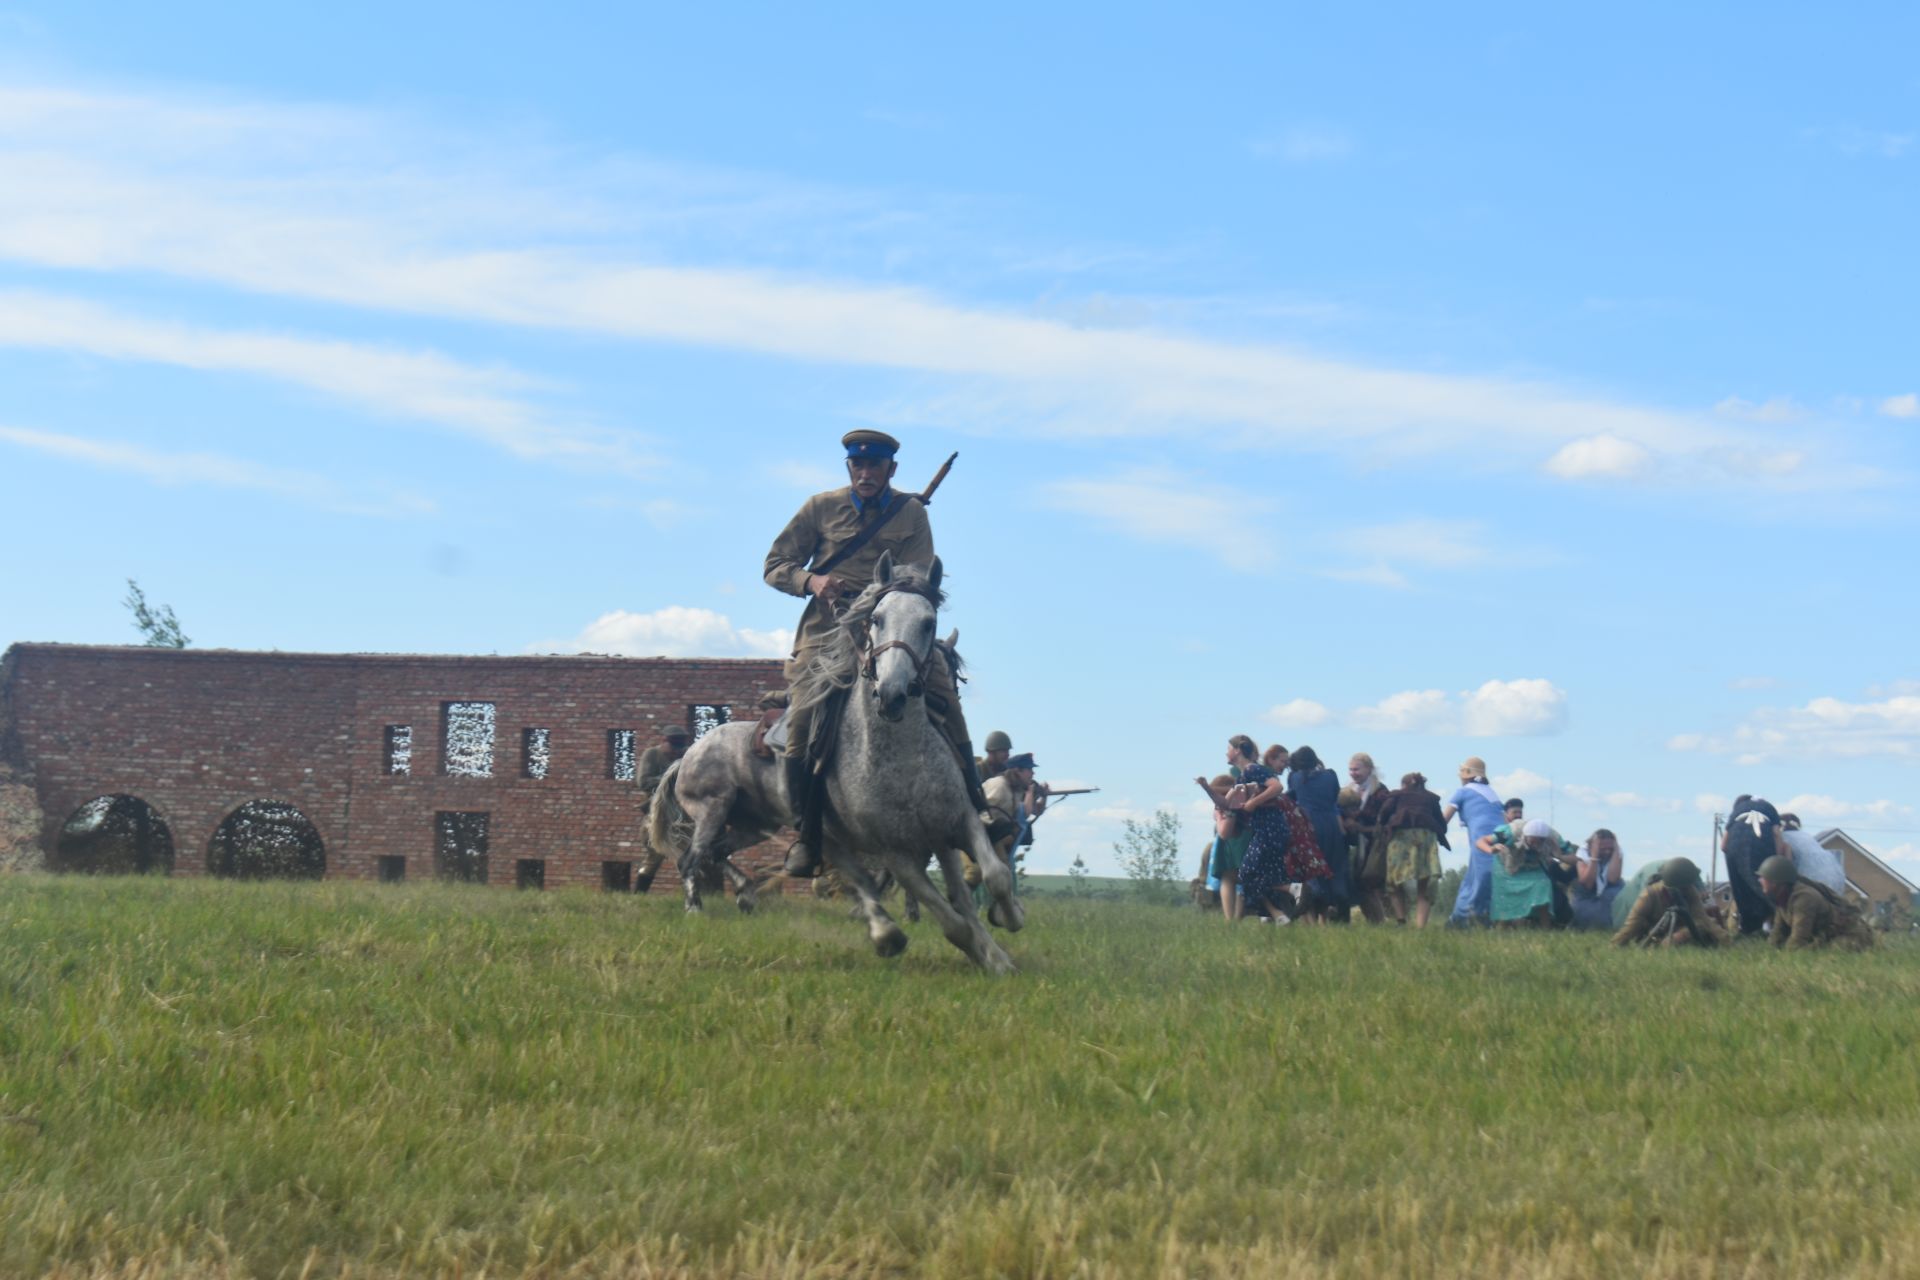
<point>1854,846</point>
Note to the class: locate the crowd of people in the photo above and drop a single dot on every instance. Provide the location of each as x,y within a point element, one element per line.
<point>1316,849</point>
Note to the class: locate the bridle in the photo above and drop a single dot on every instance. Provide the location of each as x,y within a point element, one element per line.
<point>870,655</point>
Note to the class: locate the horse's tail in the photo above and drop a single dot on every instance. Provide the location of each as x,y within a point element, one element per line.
<point>665,813</point>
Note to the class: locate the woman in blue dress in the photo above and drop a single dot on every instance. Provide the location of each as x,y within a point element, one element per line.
<point>1316,789</point>
<point>1478,805</point>
<point>1263,872</point>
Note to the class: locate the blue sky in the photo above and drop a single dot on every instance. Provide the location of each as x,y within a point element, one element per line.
<point>1533,385</point>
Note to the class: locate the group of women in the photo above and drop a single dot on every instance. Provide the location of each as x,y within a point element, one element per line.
<point>1317,849</point>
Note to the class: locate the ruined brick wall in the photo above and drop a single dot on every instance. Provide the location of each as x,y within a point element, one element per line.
<point>199,733</point>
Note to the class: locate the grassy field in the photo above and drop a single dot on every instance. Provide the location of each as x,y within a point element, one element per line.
<point>322,1079</point>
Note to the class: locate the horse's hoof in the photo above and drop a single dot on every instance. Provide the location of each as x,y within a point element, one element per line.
<point>890,943</point>
<point>694,909</point>
<point>745,903</point>
<point>1008,915</point>
<point>998,963</point>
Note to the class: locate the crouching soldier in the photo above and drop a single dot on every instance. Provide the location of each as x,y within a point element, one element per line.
<point>653,765</point>
<point>1670,911</point>
<point>1808,914</point>
<point>1009,793</point>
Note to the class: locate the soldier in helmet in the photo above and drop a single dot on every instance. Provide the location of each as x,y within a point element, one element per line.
<point>999,747</point>
<point>653,765</point>
<point>828,551</point>
<point>1808,914</point>
<point>1670,911</point>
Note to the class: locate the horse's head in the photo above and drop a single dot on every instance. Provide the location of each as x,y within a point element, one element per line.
<point>903,605</point>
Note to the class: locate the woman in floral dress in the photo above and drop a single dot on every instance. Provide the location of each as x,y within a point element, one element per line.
<point>1263,871</point>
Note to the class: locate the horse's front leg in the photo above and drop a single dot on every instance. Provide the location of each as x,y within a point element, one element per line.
<point>959,923</point>
<point>889,939</point>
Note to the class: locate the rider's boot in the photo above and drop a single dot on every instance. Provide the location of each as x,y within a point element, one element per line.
<point>803,858</point>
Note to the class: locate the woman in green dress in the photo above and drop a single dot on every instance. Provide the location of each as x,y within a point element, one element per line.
<point>1521,888</point>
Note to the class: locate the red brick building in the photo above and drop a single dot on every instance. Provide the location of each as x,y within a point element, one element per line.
<point>505,770</point>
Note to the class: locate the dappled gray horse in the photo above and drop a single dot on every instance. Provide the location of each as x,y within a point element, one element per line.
<point>894,792</point>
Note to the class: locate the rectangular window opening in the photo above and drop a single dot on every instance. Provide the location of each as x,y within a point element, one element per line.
<point>393,868</point>
<point>460,846</point>
<point>704,717</point>
<point>616,877</point>
<point>466,739</point>
<point>400,749</point>
<point>530,873</point>
<point>620,755</point>
<point>535,752</point>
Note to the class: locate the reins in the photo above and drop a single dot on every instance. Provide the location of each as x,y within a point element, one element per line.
<point>870,655</point>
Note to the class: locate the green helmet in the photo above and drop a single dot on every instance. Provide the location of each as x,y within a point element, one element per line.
<point>1780,870</point>
<point>999,741</point>
<point>1680,873</point>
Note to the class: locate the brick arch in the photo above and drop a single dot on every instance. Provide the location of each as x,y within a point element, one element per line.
<point>265,838</point>
<point>127,820</point>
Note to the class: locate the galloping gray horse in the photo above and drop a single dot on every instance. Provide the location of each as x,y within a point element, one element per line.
<point>894,792</point>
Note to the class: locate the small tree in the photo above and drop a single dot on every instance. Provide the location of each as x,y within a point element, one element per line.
<point>158,628</point>
<point>1149,852</point>
<point>1077,877</point>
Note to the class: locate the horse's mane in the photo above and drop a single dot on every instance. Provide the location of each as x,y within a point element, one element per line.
<point>835,663</point>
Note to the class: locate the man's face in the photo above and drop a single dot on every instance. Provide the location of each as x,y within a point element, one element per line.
<point>1516,814</point>
<point>1604,848</point>
<point>870,475</point>
<point>1358,771</point>
<point>676,747</point>
<point>1020,778</point>
<point>998,756</point>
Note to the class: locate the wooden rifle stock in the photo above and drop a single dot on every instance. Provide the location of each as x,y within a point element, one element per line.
<point>926,495</point>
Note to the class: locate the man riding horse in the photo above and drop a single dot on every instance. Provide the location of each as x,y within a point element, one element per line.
<point>827,553</point>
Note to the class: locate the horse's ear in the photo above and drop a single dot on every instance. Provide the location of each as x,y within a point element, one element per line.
<point>953,638</point>
<point>933,576</point>
<point>883,572</point>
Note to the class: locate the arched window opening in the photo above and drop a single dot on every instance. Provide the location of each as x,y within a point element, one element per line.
<point>114,835</point>
<point>267,840</point>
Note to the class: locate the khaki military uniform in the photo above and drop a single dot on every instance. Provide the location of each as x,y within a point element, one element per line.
<point>1816,916</point>
<point>824,524</point>
<point>1655,901</point>
<point>1003,822</point>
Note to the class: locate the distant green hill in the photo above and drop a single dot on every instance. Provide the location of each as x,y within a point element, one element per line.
<point>1064,884</point>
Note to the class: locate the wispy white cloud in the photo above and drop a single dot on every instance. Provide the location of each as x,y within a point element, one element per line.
<point>1824,728</point>
<point>1774,409</point>
<point>1852,140</point>
<point>1436,544</point>
<point>813,477</point>
<point>216,471</point>
<point>1299,713</point>
<point>1753,682</point>
<point>1906,406</point>
<point>1498,708</point>
<point>1412,711</point>
<point>1304,144</point>
<point>1159,506</point>
<point>1825,808</point>
<point>474,401</point>
<point>673,631</point>
<point>286,201</point>
<point>1601,457</point>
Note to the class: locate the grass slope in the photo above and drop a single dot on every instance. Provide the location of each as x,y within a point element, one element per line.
<point>200,1077</point>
